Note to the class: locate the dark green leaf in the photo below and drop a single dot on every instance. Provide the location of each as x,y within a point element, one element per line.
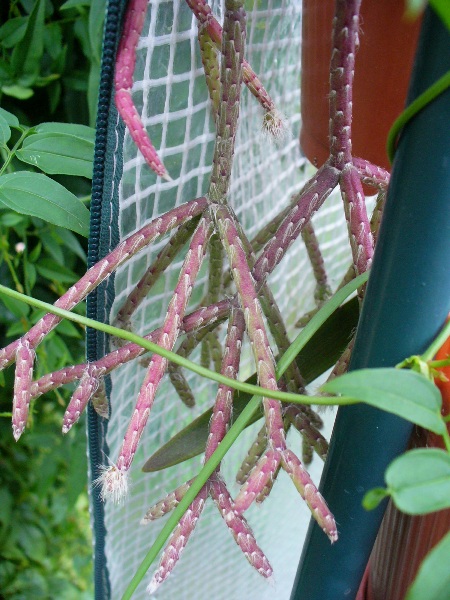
<point>11,219</point>
<point>70,241</point>
<point>318,355</point>
<point>13,31</point>
<point>61,154</point>
<point>419,481</point>
<point>433,579</point>
<point>69,329</point>
<point>52,270</point>
<point>74,3</point>
<point>53,39</point>
<point>404,393</point>
<point>18,309</point>
<point>27,54</point>
<point>11,119</point>
<point>96,18</point>
<point>5,131</point>
<point>39,196</point>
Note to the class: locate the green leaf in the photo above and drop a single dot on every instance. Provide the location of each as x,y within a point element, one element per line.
<point>27,54</point>
<point>319,354</point>
<point>442,8</point>
<point>433,579</point>
<point>96,17</point>
<point>403,393</point>
<point>18,309</point>
<point>74,3</point>
<point>373,498</point>
<point>11,119</point>
<point>5,131</point>
<point>70,241</point>
<point>419,481</point>
<point>52,270</point>
<point>18,91</point>
<point>62,154</point>
<point>13,31</point>
<point>39,196</point>
<point>82,132</point>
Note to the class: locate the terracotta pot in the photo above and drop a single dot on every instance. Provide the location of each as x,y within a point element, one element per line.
<point>382,71</point>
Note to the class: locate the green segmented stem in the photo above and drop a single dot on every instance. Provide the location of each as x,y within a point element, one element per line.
<point>233,45</point>
<point>323,290</point>
<point>211,66</point>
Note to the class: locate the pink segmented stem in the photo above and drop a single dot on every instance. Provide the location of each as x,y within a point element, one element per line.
<point>223,404</point>
<point>205,16</point>
<point>239,528</point>
<point>256,331</point>
<point>99,400</point>
<point>152,274</point>
<point>101,270</point>
<point>257,480</point>
<point>361,240</point>
<point>345,43</point>
<point>86,388</point>
<point>233,47</point>
<point>372,174</point>
<point>167,339</point>
<point>25,356</point>
<point>178,540</point>
<point>308,202</point>
<point>310,494</point>
<point>129,352</point>
<point>323,290</point>
<point>123,81</point>
<point>167,504</point>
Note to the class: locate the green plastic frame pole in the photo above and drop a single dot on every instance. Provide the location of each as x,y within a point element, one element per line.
<point>407,301</point>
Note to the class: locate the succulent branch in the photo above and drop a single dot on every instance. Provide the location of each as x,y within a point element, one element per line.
<point>169,333</point>
<point>123,81</point>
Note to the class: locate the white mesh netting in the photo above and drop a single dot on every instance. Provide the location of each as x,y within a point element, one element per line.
<point>171,94</point>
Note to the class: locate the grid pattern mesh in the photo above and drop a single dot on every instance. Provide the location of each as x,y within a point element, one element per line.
<point>171,95</point>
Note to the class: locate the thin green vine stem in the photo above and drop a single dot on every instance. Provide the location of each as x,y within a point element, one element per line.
<point>438,341</point>
<point>12,152</point>
<point>437,364</point>
<point>416,106</point>
<point>322,315</point>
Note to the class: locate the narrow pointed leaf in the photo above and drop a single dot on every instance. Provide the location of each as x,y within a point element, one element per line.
<point>57,153</point>
<point>39,196</point>
<point>401,392</point>
<point>27,54</point>
<point>419,481</point>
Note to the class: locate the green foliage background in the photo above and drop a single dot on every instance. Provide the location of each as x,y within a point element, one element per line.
<point>49,70</point>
